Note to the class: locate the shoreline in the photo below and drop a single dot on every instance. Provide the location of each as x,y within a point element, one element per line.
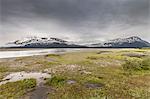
<point>21,52</point>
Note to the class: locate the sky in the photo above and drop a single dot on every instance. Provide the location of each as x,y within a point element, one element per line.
<point>74,20</point>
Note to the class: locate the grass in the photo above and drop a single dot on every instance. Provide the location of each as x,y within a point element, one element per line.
<point>4,69</point>
<point>14,90</point>
<point>146,63</point>
<point>122,77</point>
<point>53,55</point>
<point>117,83</point>
<point>137,64</point>
<point>56,81</point>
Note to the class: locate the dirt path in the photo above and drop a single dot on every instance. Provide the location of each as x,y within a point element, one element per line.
<point>40,92</point>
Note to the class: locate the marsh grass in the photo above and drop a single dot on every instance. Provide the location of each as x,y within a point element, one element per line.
<point>4,69</point>
<point>116,85</point>
<point>56,81</point>
<point>14,90</point>
<point>137,64</point>
<point>128,80</point>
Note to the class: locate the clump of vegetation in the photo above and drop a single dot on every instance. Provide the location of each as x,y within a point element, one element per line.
<point>85,63</point>
<point>92,57</point>
<point>4,69</point>
<point>146,64</point>
<point>137,64</point>
<point>124,90</point>
<point>14,90</point>
<point>56,81</point>
<point>53,63</point>
<point>93,80</point>
<point>100,52</point>
<point>74,91</point>
<point>53,55</point>
<point>132,65</point>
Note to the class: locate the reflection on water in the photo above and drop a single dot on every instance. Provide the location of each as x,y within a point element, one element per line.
<point>31,52</point>
<point>9,54</point>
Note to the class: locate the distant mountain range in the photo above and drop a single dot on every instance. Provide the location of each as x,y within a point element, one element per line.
<point>131,42</point>
<point>49,42</point>
<point>42,42</point>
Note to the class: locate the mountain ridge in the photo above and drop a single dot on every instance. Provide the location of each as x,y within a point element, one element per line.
<point>133,41</point>
<point>42,42</point>
<point>52,42</point>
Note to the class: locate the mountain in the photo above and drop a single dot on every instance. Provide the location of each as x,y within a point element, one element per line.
<point>42,42</point>
<point>130,42</point>
<point>49,42</point>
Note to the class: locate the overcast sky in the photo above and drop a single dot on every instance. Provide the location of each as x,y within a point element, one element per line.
<point>76,20</point>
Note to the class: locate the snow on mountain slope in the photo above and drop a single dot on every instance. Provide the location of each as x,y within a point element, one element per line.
<point>133,41</point>
<point>30,40</point>
<point>49,42</point>
<point>41,42</point>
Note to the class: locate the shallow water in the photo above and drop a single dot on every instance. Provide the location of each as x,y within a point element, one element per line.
<point>22,53</point>
<point>31,52</point>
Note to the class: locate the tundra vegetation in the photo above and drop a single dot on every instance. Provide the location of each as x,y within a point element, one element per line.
<point>13,90</point>
<point>89,74</point>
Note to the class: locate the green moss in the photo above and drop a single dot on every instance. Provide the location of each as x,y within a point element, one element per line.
<point>53,63</point>
<point>53,55</point>
<point>56,81</point>
<point>137,64</point>
<point>75,91</point>
<point>132,65</point>
<point>93,57</point>
<point>14,90</point>
<point>4,69</point>
<point>146,63</point>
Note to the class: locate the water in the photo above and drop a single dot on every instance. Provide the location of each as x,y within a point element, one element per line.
<point>23,53</point>
<point>32,52</point>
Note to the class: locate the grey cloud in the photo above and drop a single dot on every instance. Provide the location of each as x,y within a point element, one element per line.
<point>92,18</point>
<point>74,11</point>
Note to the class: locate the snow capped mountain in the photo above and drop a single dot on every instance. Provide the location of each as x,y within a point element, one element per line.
<point>49,42</point>
<point>40,42</point>
<point>133,41</point>
<point>30,40</point>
